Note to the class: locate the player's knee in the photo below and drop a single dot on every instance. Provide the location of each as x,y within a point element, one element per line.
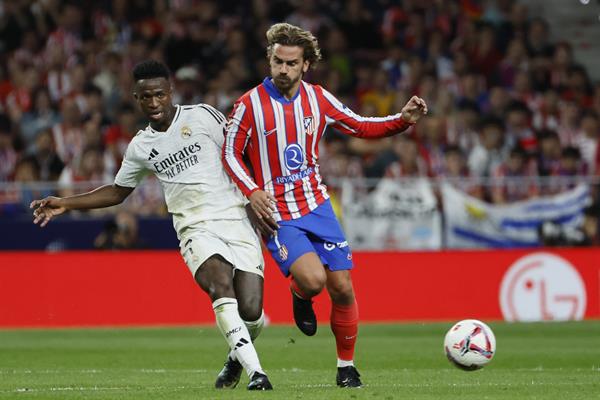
<point>341,291</point>
<point>250,310</point>
<point>312,284</point>
<point>215,279</point>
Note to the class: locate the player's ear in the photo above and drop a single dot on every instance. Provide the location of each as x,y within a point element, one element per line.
<point>305,66</point>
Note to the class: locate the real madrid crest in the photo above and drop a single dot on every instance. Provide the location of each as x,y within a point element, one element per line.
<point>186,132</point>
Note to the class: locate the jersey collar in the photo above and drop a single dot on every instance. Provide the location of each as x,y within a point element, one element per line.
<point>177,112</point>
<point>275,94</point>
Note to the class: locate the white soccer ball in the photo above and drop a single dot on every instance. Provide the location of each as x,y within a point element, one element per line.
<point>470,344</point>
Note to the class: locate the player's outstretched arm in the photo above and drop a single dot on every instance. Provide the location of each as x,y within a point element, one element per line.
<point>105,196</point>
<point>414,109</point>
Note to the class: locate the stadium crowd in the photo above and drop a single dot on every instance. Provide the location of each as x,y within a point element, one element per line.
<point>504,100</point>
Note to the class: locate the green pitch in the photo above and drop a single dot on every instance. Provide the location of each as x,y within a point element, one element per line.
<point>533,361</point>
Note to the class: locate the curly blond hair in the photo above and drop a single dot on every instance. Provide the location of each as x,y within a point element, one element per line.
<point>290,35</point>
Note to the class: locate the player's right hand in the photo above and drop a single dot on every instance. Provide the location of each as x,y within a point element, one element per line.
<point>44,210</point>
<point>266,226</point>
<point>263,204</point>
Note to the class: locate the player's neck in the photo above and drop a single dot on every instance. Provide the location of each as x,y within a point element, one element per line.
<point>163,125</point>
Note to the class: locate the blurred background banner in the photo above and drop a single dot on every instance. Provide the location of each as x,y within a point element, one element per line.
<point>395,214</point>
<point>472,223</point>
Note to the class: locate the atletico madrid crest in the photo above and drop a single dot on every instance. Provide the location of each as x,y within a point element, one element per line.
<point>283,252</point>
<point>309,125</point>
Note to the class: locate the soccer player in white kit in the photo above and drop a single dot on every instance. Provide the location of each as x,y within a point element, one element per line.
<point>182,146</point>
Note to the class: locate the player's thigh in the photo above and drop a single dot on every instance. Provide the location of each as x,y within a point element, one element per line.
<point>288,245</point>
<point>215,277</point>
<point>249,293</point>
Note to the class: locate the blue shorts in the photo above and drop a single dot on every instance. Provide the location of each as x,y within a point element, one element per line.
<point>318,232</point>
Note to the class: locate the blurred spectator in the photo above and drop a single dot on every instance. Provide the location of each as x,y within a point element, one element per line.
<point>462,126</point>
<point>68,134</point>
<point>587,139</point>
<point>8,155</point>
<point>491,150</point>
<point>549,154</point>
<point>409,163</point>
<point>117,138</point>
<point>457,173</point>
<point>571,171</point>
<point>120,233</point>
<point>432,141</point>
<point>45,155</point>
<point>518,127</point>
<point>41,116</point>
<point>89,169</point>
<point>514,179</point>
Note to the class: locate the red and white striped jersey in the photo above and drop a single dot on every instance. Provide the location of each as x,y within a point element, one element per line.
<point>280,139</point>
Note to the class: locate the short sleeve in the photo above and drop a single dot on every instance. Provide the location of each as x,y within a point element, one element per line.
<point>132,170</point>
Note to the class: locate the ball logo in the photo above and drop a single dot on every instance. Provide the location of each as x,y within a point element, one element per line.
<point>542,287</point>
<point>294,157</point>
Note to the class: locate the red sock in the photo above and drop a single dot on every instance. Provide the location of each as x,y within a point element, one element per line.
<point>344,325</point>
<point>297,290</point>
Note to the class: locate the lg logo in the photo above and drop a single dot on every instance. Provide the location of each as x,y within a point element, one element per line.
<point>294,157</point>
<point>542,287</point>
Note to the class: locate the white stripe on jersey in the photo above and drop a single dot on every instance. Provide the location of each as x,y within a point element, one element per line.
<point>341,108</point>
<point>230,145</point>
<point>281,145</point>
<point>316,112</point>
<point>299,117</point>
<point>263,152</point>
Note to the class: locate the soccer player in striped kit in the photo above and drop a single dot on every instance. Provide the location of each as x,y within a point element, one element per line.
<point>278,125</point>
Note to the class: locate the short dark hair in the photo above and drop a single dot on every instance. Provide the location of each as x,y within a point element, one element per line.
<point>150,69</point>
<point>491,121</point>
<point>571,152</point>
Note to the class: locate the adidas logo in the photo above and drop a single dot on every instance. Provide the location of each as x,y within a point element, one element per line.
<point>241,342</point>
<point>153,154</point>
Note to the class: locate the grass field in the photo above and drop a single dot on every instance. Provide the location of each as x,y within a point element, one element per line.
<point>533,361</point>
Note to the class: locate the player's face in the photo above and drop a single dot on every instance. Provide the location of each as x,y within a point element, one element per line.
<point>287,67</point>
<point>154,98</point>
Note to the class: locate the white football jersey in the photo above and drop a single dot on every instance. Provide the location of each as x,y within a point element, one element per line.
<point>187,161</point>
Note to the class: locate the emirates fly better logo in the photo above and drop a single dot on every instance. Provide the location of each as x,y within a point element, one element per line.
<point>542,287</point>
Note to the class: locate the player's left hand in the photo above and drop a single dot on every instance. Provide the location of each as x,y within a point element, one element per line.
<point>414,109</point>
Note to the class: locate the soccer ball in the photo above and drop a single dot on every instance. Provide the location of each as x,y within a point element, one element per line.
<point>470,344</point>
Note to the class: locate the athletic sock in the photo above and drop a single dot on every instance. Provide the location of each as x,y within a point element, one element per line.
<point>236,334</point>
<point>344,325</point>
<point>254,329</point>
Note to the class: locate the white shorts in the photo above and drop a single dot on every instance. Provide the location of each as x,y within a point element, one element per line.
<point>234,240</point>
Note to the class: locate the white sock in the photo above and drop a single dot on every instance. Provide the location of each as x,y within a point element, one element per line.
<point>236,334</point>
<point>254,328</point>
<point>345,363</point>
